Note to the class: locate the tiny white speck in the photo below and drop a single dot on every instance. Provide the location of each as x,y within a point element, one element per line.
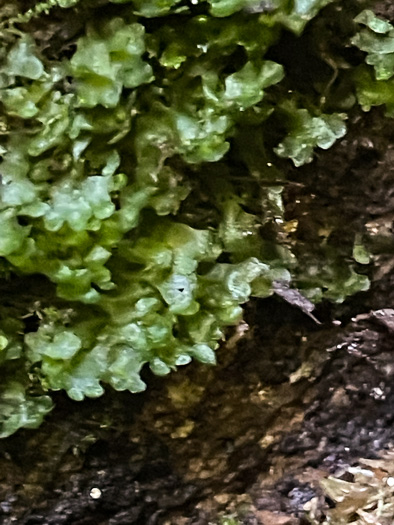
<point>390,482</point>
<point>377,393</point>
<point>363,471</point>
<point>95,493</point>
<point>269,164</point>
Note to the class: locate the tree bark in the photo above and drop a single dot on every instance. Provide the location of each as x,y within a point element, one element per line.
<point>290,402</point>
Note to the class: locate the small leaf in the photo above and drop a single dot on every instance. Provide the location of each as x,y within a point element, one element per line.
<point>22,61</point>
<point>159,367</point>
<point>309,132</point>
<point>360,253</point>
<point>368,18</point>
<point>204,354</point>
<point>18,410</point>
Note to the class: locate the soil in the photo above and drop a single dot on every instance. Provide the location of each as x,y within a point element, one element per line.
<point>248,441</point>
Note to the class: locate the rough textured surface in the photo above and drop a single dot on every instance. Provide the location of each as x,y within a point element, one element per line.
<point>289,404</point>
<point>227,441</point>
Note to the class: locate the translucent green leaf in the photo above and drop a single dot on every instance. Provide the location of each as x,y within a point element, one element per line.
<point>378,25</point>
<point>17,102</point>
<point>245,88</point>
<point>80,378</point>
<point>153,8</point>
<point>120,206</point>
<point>378,42</point>
<point>3,342</point>
<point>12,235</point>
<point>22,62</point>
<point>372,43</point>
<point>56,121</point>
<point>204,354</point>
<point>360,253</point>
<point>107,60</point>
<point>18,192</point>
<point>68,205</point>
<point>383,65</point>
<point>67,3</point>
<point>223,8</point>
<point>299,14</point>
<point>309,132</point>
<point>177,291</point>
<point>124,368</point>
<point>159,367</point>
<point>63,345</point>
<point>372,92</point>
<point>18,410</point>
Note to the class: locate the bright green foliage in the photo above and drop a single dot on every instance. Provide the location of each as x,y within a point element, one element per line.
<point>106,63</point>
<point>22,62</point>
<point>294,15</point>
<point>329,272</point>
<point>307,133</point>
<point>372,92</point>
<point>229,520</point>
<point>18,410</point>
<point>360,252</point>
<point>119,197</point>
<point>377,40</point>
<point>301,12</point>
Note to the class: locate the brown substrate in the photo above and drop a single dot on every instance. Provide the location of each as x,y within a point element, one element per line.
<point>291,403</point>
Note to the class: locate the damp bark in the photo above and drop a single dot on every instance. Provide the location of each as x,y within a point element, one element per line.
<point>249,441</point>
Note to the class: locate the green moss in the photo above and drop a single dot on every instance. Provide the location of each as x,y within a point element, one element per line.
<point>138,170</point>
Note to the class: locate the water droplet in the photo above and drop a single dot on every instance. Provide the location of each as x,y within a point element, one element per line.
<point>95,493</point>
